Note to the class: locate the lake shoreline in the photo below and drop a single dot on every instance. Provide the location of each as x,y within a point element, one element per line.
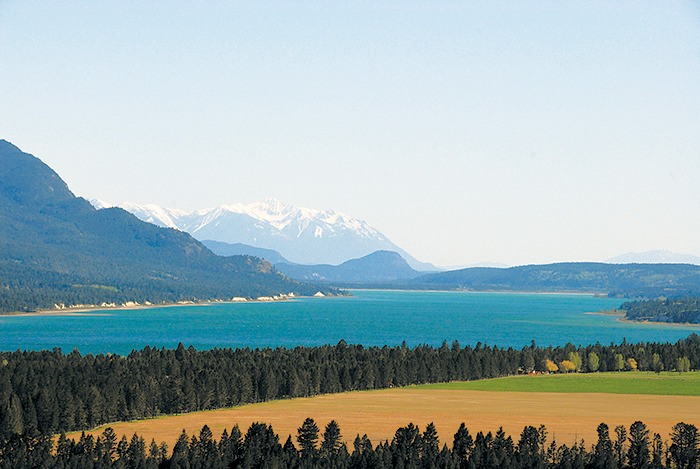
<point>368,318</point>
<point>622,319</point>
<point>99,310</point>
<point>96,310</point>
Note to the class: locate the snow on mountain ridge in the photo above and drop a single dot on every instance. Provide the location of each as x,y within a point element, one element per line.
<point>272,211</point>
<point>148,212</point>
<point>660,256</point>
<point>301,235</point>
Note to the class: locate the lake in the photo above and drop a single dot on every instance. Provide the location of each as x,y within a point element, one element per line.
<point>369,317</point>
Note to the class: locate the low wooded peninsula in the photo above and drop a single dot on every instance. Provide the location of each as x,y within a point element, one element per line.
<point>674,310</point>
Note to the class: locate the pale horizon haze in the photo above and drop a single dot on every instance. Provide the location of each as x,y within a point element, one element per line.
<point>467,132</point>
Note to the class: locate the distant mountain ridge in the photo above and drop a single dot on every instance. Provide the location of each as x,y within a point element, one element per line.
<point>301,235</point>
<point>655,257</point>
<point>380,266</point>
<point>630,280</point>
<point>238,249</point>
<point>57,248</point>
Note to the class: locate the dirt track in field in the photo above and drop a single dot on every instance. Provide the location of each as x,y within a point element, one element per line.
<point>568,417</point>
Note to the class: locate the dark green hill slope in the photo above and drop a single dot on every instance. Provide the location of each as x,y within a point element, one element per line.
<point>632,280</point>
<point>56,248</point>
<point>239,249</point>
<point>678,310</point>
<point>380,266</point>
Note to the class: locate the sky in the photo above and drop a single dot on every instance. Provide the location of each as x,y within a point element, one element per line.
<point>467,132</point>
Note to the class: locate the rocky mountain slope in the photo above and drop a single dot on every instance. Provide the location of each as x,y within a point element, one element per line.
<point>301,235</point>
<point>57,248</point>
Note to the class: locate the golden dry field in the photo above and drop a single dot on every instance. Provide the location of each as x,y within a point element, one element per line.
<point>567,416</point>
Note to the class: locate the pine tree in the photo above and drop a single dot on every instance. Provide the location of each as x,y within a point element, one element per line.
<point>619,445</point>
<point>181,451</point>
<point>638,453</point>
<point>603,456</point>
<point>307,437</point>
<point>431,445</point>
<point>291,455</point>
<point>685,446</point>
<point>529,452</point>
<point>333,451</point>
<point>657,452</point>
<point>231,447</point>
<point>462,445</point>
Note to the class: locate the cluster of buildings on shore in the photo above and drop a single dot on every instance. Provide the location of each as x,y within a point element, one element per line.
<point>134,304</point>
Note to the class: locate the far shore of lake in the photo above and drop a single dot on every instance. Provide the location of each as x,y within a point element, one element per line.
<point>675,324</point>
<point>104,310</point>
<point>621,318</point>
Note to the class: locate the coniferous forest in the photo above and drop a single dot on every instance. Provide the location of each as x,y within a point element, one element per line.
<point>47,392</point>
<point>678,310</point>
<point>260,447</point>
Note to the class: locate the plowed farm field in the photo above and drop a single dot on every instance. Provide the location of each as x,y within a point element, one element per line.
<point>570,415</point>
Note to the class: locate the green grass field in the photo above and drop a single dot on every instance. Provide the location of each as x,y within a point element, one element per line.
<point>668,383</point>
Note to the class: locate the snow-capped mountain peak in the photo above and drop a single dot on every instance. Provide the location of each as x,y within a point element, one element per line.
<point>302,235</point>
<point>660,256</point>
<point>148,212</point>
<point>100,204</point>
<point>278,214</point>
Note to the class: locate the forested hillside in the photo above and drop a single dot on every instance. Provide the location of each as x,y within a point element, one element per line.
<point>49,391</point>
<point>56,248</point>
<point>627,280</point>
<point>380,266</point>
<point>678,310</point>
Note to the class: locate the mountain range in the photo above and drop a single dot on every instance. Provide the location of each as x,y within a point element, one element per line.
<point>57,248</point>
<point>300,235</point>
<point>379,267</point>
<point>628,280</point>
<point>655,257</point>
<point>239,249</point>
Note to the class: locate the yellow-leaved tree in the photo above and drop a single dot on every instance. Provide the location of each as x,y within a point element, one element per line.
<point>567,366</point>
<point>551,366</point>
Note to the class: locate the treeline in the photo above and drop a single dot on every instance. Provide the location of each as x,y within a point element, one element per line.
<point>677,310</point>
<point>49,391</point>
<point>260,447</point>
<point>617,280</point>
<point>26,289</point>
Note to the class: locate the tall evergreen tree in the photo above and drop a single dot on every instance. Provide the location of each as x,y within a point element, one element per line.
<point>529,451</point>
<point>231,447</point>
<point>333,451</point>
<point>180,457</point>
<point>619,445</point>
<point>406,447</point>
<point>603,456</point>
<point>638,453</point>
<point>462,445</point>
<point>657,452</point>
<point>261,447</point>
<point>685,446</point>
<point>307,437</point>
<point>290,454</point>
<point>431,446</point>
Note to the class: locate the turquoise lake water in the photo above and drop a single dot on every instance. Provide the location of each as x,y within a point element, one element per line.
<point>368,318</point>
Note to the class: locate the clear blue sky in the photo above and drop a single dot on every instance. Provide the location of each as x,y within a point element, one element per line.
<point>514,132</point>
